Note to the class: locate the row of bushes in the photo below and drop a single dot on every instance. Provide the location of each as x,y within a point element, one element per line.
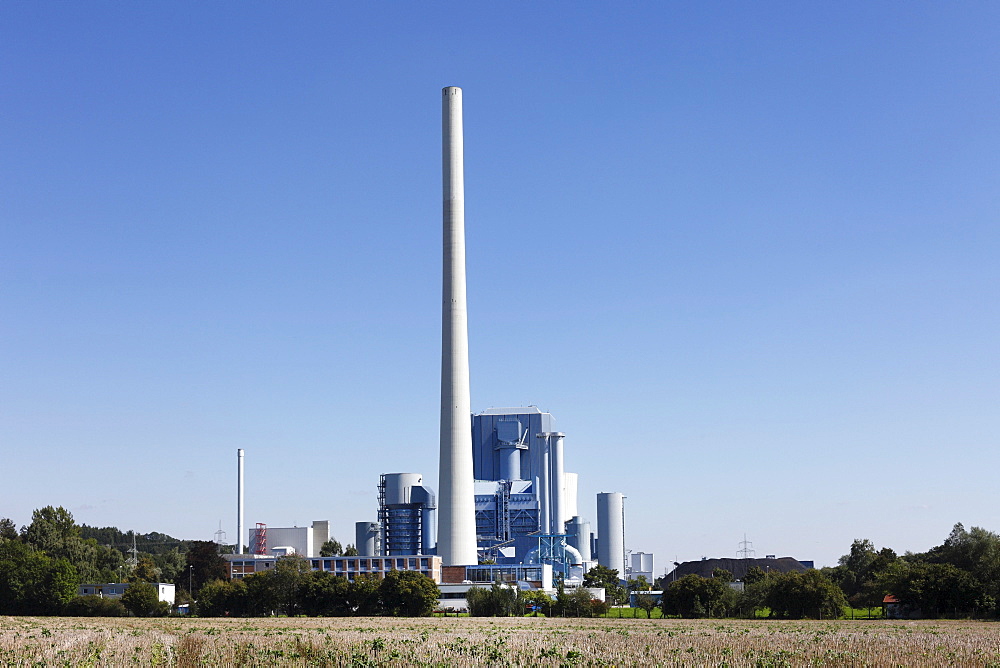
<point>501,600</point>
<point>291,589</point>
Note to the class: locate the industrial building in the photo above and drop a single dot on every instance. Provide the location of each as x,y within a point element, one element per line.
<point>641,563</point>
<point>164,590</point>
<point>407,513</point>
<point>522,487</point>
<point>280,541</point>
<point>525,503</point>
<point>242,565</point>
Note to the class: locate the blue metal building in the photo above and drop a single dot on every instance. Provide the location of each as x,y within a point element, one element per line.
<point>513,472</point>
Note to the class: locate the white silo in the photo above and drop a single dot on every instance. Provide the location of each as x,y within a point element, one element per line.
<point>611,531</point>
<point>365,538</point>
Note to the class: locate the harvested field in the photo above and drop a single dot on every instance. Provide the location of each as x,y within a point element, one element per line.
<point>67,641</point>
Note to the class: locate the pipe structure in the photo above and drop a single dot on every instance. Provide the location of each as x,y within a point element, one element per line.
<point>544,488</point>
<point>239,509</point>
<point>510,462</point>
<point>611,531</point>
<point>457,520</point>
<point>558,482</point>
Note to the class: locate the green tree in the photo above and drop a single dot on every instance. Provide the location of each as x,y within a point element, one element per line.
<point>575,603</point>
<point>538,599</point>
<point>754,594</point>
<point>145,571</point>
<point>807,594</point>
<point>324,594</point>
<point>937,589</point>
<point>331,548</point>
<point>141,599</point>
<point>261,598</point>
<point>8,529</point>
<point>33,583</point>
<point>287,576</point>
<point>53,531</point>
<point>363,595</point>
<point>207,565</point>
<point>695,596</point>
<point>500,600</point>
<point>639,583</point>
<point>219,599</point>
<point>646,603</point>
<point>172,566</point>
<point>854,569</point>
<point>977,552</point>
<point>602,576</point>
<point>350,551</point>
<point>408,594</point>
<point>50,528</point>
<point>858,573</point>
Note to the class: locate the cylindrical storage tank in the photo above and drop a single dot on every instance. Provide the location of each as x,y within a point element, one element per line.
<point>578,535</point>
<point>510,463</point>
<point>611,531</point>
<point>364,538</point>
<point>398,486</point>
<point>428,529</point>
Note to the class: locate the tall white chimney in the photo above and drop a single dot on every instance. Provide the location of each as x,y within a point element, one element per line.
<point>456,521</point>
<point>239,512</point>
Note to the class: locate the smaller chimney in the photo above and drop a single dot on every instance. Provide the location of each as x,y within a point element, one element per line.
<point>239,513</point>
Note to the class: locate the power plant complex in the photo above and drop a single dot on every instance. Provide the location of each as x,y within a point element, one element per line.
<point>505,507</point>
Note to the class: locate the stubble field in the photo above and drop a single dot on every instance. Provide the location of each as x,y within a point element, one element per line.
<point>42,641</point>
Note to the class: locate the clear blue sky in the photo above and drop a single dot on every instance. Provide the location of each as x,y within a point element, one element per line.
<point>746,253</point>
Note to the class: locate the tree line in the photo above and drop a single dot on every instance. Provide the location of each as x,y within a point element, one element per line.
<point>43,565</point>
<point>292,588</point>
<point>959,578</point>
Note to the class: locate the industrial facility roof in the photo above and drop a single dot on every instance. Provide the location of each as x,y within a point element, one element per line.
<point>509,411</point>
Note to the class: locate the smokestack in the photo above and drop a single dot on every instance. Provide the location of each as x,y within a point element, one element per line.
<point>457,522</point>
<point>239,512</point>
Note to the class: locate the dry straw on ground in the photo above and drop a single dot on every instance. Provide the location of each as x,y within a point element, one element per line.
<point>39,641</point>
